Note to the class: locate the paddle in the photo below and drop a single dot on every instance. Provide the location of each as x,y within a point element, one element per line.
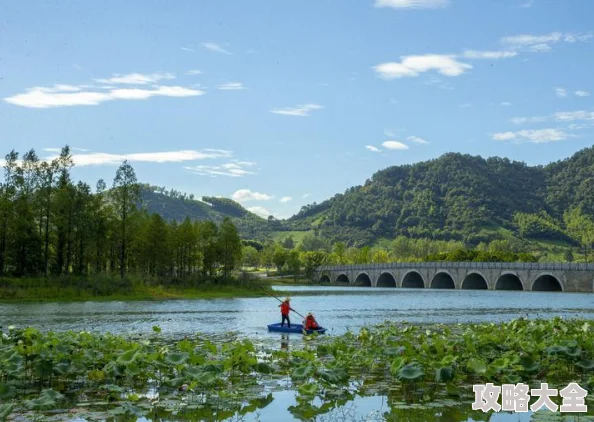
<point>270,294</point>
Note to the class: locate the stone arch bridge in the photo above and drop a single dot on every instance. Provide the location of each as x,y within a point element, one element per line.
<point>464,275</point>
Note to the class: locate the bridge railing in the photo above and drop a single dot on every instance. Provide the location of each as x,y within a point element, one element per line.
<point>545,266</point>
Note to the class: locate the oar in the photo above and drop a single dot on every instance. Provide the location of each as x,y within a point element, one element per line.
<point>270,294</point>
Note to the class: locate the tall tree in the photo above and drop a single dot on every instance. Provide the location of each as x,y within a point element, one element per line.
<point>230,246</point>
<point>6,204</point>
<point>125,194</point>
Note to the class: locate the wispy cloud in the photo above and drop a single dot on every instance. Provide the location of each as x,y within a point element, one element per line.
<point>244,195</point>
<point>535,119</point>
<point>537,136</point>
<point>568,116</point>
<point>412,4</point>
<point>234,168</point>
<point>505,104</point>
<point>412,66</point>
<point>260,211</point>
<point>389,133</point>
<point>136,78</point>
<point>285,199</point>
<point>561,92</point>
<point>542,43</point>
<point>231,86</point>
<point>217,48</point>
<point>306,195</point>
<point>492,55</point>
<point>394,145</point>
<point>372,148</point>
<point>560,116</point>
<point>194,72</point>
<point>188,49</point>
<point>582,93</point>
<point>70,95</point>
<point>417,140</point>
<point>527,4</point>
<point>300,110</point>
<point>102,158</point>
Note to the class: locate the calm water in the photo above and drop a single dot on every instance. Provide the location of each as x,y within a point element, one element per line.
<point>337,308</point>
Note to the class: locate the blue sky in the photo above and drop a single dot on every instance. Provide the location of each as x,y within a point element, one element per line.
<point>282,103</point>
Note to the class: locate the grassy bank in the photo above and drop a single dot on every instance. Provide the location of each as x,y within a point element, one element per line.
<point>71,289</point>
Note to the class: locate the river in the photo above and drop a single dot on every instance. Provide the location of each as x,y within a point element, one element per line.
<point>337,308</point>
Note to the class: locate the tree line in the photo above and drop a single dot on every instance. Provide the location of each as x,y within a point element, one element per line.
<point>52,226</point>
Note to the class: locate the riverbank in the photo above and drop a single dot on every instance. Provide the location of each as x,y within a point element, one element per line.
<point>105,289</point>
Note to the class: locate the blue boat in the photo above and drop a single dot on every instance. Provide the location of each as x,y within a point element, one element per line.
<point>295,328</point>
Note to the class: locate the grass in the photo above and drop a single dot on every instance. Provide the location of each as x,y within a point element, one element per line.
<point>48,290</point>
<point>296,235</point>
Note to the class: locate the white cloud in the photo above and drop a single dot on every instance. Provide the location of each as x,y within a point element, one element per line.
<point>503,136</point>
<point>412,4</point>
<point>215,47</point>
<point>68,95</point>
<point>260,211</point>
<point>231,86</point>
<point>306,195</point>
<point>536,136</point>
<point>417,140</point>
<point>561,92</point>
<point>473,54</point>
<point>101,158</point>
<point>136,78</point>
<point>194,72</point>
<point>505,104</point>
<point>395,145</point>
<point>372,148</point>
<point>529,39</point>
<point>234,168</point>
<point>244,195</point>
<point>412,66</point>
<point>542,43</point>
<point>300,110</point>
<point>569,116</point>
<point>285,199</point>
<point>535,119</point>
<point>582,93</point>
<point>191,50</point>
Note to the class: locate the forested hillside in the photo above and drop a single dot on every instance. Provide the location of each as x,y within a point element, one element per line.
<point>176,206</point>
<point>458,197</point>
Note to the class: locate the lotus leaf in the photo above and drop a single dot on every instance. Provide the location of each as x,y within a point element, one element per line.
<point>410,372</point>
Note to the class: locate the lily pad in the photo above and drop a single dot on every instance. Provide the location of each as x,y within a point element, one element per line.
<point>410,372</point>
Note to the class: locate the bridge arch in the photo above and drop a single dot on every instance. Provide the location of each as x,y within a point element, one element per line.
<point>509,281</point>
<point>547,282</point>
<point>412,279</point>
<point>324,279</point>
<point>363,279</point>
<point>386,279</point>
<point>443,280</point>
<point>474,280</point>
<point>342,278</point>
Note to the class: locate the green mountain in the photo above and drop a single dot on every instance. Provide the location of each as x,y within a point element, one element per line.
<point>172,205</point>
<point>453,197</point>
<point>459,197</point>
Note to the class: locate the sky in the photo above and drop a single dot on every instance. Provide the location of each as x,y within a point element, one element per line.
<point>279,104</point>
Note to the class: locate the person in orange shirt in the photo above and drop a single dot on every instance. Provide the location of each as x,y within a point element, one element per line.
<point>310,322</point>
<point>285,309</point>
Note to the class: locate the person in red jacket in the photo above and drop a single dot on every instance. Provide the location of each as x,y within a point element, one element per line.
<point>310,322</point>
<point>285,309</point>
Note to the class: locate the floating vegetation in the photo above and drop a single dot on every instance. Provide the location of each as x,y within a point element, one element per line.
<point>418,368</point>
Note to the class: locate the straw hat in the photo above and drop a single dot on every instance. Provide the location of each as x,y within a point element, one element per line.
<point>309,314</point>
<point>287,299</point>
